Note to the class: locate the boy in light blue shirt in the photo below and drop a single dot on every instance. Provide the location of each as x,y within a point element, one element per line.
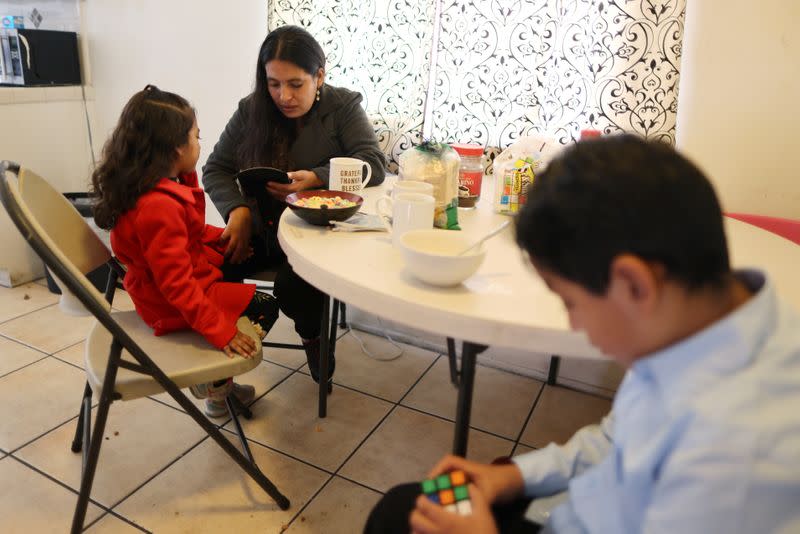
<point>704,433</point>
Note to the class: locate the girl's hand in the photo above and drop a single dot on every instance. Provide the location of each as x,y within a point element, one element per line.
<point>241,344</point>
<point>497,483</point>
<point>237,234</point>
<point>300,180</point>
<point>430,518</point>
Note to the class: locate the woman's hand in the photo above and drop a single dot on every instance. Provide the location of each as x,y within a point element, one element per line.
<point>300,180</point>
<point>430,518</point>
<point>497,483</point>
<point>241,344</point>
<point>237,234</point>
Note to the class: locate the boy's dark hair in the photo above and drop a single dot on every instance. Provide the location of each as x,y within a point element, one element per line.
<point>269,134</point>
<point>622,194</point>
<point>140,151</point>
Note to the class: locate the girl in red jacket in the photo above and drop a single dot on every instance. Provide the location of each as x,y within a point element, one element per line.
<point>148,196</point>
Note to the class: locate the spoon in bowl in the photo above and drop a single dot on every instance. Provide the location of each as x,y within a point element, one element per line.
<point>484,238</point>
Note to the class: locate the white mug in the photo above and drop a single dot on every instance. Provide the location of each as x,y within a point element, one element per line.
<point>346,175</point>
<point>411,186</point>
<point>409,211</point>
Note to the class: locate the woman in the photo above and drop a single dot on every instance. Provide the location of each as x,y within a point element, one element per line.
<point>291,121</point>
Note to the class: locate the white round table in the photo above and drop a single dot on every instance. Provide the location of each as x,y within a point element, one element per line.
<point>505,304</point>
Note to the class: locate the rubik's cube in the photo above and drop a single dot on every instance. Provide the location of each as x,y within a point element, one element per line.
<point>450,491</point>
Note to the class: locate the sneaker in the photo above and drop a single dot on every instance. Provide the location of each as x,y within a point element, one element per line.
<point>312,357</point>
<point>215,405</point>
<point>212,390</point>
<point>218,408</point>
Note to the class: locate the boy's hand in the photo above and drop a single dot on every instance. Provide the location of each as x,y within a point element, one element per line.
<point>241,344</point>
<point>430,518</point>
<point>497,483</point>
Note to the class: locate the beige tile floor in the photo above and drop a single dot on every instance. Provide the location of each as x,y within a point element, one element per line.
<point>388,422</point>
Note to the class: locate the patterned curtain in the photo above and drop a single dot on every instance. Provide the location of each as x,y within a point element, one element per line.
<point>502,68</point>
<point>380,48</point>
<point>510,68</point>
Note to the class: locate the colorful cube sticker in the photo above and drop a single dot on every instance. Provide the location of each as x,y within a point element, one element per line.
<point>449,490</point>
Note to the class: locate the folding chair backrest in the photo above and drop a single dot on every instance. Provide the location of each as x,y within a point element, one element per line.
<point>48,220</point>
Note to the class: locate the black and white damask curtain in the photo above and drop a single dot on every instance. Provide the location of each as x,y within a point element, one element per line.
<point>502,69</point>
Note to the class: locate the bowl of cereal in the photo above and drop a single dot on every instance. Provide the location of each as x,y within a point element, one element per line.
<point>320,207</point>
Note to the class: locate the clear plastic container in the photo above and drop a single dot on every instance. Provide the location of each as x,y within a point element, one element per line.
<point>470,174</point>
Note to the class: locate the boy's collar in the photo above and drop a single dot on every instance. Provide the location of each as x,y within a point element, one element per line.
<point>721,348</point>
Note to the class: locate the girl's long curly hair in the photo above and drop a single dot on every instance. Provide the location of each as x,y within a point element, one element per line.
<point>269,133</point>
<point>140,151</point>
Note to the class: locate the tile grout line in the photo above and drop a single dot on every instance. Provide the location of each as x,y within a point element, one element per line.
<point>394,407</point>
<point>228,419</point>
<point>156,474</point>
<point>357,483</point>
<point>224,430</point>
<point>9,338</point>
<point>357,447</point>
<point>68,363</point>
<point>576,390</point>
<point>24,366</point>
<point>332,475</point>
<point>28,313</point>
<point>69,347</point>
<point>43,434</point>
<point>60,483</point>
<point>59,349</point>
<point>282,453</point>
<point>118,516</point>
<point>504,438</point>
<point>527,420</point>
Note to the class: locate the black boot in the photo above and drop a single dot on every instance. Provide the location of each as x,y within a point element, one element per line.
<point>312,348</point>
<point>263,310</point>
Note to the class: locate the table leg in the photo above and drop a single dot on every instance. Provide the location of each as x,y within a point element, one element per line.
<point>469,353</point>
<point>552,374</point>
<point>451,357</point>
<point>324,347</point>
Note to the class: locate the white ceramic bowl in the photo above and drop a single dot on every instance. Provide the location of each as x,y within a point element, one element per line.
<point>430,255</point>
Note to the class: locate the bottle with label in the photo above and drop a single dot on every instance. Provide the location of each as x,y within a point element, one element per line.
<point>590,133</point>
<point>470,174</point>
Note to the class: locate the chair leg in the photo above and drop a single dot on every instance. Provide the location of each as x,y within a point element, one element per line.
<point>211,429</point>
<point>90,465</point>
<point>77,441</point>
<point>324,352</point>
<point>239,406</point>
<point>231,402</point>
<point>86,411</point>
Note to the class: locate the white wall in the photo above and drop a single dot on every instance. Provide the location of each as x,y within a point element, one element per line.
<point>738,116</point>
<point>204,51</point>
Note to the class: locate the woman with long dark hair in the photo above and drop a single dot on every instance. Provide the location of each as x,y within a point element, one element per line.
<point>292,121</point>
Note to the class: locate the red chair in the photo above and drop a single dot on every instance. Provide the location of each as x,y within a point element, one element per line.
<point>787,228</point>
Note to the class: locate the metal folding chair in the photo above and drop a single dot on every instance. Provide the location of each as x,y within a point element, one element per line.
<point>124,360</point>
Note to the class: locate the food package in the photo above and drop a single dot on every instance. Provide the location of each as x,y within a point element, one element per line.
<point>437,164</point>
<point>515,169</point>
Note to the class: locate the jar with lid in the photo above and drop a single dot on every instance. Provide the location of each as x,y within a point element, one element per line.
<point>470,174</point>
